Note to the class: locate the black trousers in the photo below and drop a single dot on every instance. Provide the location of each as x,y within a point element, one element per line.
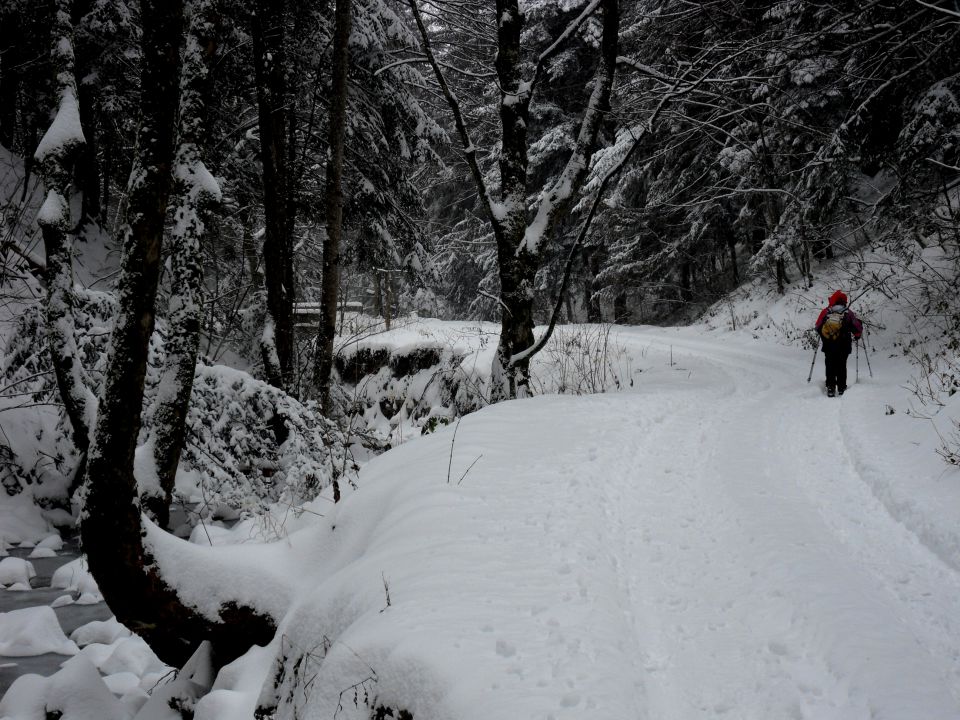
<point>836,362</point>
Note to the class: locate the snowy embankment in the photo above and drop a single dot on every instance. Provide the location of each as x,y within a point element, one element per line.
<point>720,540</point>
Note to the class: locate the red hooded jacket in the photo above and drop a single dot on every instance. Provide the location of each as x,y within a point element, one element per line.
<point>851,324</point>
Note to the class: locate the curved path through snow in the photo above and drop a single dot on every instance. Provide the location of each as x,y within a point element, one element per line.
<point>763,577</point>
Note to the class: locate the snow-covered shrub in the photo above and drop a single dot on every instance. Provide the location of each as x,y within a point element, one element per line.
<point>26,359</point>
<point>231,436</point>
<point>231,442</point>
<point>392,393</point>
<point>28,380</point>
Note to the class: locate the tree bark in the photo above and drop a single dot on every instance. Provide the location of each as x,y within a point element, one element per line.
<point>334,203</point>
<point>112,525</point>
<point>9,76</point>
<point>732,249</point>
<point>195,192</point>
<point>277,344</point>
<point>520,240</point>
<point>56,154</point>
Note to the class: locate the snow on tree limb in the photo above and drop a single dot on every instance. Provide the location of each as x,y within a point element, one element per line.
<point>56,154</point>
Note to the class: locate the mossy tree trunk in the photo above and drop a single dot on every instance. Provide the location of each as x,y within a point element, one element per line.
<point>112,529</point>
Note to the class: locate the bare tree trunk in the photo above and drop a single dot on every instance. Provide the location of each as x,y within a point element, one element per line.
<point>377,294</point>
<point>519,240</point>
<point>686,287</point>
<point>732,249</point>
<point>9,75</point>
<point>277,344</point>
<point>112,524</point>
<point>334,201</point>
<point>194,192</point>
<point>56,154</point>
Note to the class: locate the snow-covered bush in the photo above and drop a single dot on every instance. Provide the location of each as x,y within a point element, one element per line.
<point>14,477</point>
<point>231,442</point>
<point>395,392</point>
<point>232,424</point>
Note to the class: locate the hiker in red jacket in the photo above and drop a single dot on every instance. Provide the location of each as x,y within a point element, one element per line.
<point>837,325</point>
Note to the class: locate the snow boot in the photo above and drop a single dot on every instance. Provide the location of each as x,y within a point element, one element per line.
<point>840,391</point>
<point>830,392</point>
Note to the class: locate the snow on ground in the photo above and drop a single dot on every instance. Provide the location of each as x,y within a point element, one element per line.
<point>718,539</point>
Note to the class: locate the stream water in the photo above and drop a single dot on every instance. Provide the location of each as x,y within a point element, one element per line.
<point>70,616</point>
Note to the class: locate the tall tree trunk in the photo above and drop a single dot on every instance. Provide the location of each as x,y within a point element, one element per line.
<point>56,154</point>
<point>686,286</point>
<point>334,203</point>
<point>87,174</point>
<point>520,240</point>
<point>277,345</point>
<point>517,265</point>
<point>732,249</point>
<point>195,191</point>
<point>592,261</point>
<point>112,526</point>
<point>9,75</point>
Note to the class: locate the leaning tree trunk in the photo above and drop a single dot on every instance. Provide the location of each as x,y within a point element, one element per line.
<point>56,154</point>
<point>195,191</point>
<point>112,527</point>
<point>334,200</point>
<point>277,344</point>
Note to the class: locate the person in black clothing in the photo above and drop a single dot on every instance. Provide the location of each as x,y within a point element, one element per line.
<point>838,328</point>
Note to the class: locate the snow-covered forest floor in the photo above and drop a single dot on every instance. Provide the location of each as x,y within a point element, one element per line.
<point>711,537</point>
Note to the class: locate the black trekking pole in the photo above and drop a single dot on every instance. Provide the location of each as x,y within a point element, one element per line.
<point>858,359</point>
<point>814,361</point>
<point>866,354</point>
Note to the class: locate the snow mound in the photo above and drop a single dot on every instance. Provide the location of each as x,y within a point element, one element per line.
<point>99,631</point>
<point>21,520</point>
<point>16,571</point>
<point>76,692</point>
<point>75,576</point>
<point>42,552</point>
<point>33,631</point>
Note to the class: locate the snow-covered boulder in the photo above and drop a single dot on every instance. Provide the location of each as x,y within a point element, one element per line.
<point>75,576</point>
<point>42,552</point>
<point>52,542</point>
<point>99,631</point>
<point>75,692</point>
<point>33,631</point>
<point>16,570</point>
<point>131,654</point>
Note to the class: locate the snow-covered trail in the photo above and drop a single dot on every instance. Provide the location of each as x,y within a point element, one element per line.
<point>718,540</point>
<point>764,578</point>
